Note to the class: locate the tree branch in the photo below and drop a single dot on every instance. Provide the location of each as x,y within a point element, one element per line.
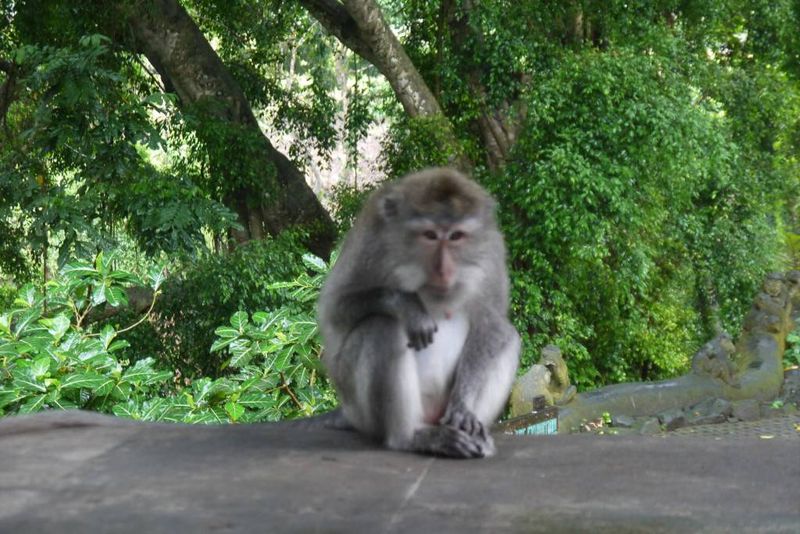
<point>337,21</point>
<point>182,55</point>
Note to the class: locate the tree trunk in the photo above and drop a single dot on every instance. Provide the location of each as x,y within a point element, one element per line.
<point>265,189</point>
<point>360,26</point>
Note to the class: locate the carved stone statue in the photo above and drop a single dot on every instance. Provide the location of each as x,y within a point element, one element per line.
<point>561,391</point>
<point>714,359</point>
<point>547,378</point>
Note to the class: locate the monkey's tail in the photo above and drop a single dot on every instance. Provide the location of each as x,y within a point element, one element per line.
<point>334,419</point>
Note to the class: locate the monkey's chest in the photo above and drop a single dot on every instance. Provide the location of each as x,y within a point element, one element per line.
<point>436,365</point>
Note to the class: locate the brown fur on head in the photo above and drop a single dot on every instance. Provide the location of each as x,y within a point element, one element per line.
<point>438,193</point>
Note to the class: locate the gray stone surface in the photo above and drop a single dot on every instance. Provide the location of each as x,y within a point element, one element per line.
<point>650,426</point>
<point>746,410</point>
<point>97,475</point>
<point>672,419</point>
<point>622,421</point>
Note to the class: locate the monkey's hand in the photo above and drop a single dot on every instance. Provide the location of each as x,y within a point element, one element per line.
<point>459,416</point>
<point>420,326</point>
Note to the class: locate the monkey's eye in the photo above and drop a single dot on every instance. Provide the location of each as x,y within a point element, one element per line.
<point>458,234</point>
<point>430,234</point>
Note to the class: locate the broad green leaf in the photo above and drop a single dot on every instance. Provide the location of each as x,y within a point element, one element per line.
<point>123,277</point>
<point>234,410</point>
<point>99,293</point>
<point>118,345</point>
<point>226,332</point>
<point>239,320</point>
<point>257,402</point>
<point>27,296</point>
<point>241,352</point>
<point>40,367</point>
<point>57,326</point>
<point>157,278</point>
<point>7,349</point>
<point>124,410</point>
<point>314,263</point>
<point>107,335</point>
<point>99,264</point>
<point>34,404</point>
<point>78,269</point>
<point>9,397</point>
<point>105,387</point>
<point>83,380</point>
<point>24,381</point>
<point>115,296</point>
<point>25,319</point>
<point>221,344</point>
<point>5,323</point>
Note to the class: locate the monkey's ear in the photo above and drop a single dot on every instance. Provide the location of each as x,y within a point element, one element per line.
<point>389,206</point>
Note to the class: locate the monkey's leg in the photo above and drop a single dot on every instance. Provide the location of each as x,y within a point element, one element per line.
<point>483,378</point>
<point>380,392</point>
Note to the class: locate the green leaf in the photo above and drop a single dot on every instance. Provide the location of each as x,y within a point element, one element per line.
<point>107,335</point>
<point>241,353</point>
<point>34,404</point>
<point>99,293</point>
<point>226,332</point>
<point>239,320</point>
<point>83,380</point>
<point>9,397</point>
<point>25,319</point>
<point>157,278</point>
<point>234,410</point>
<point>125,410</point>
<point>72,270</point>
<point>220,344</point>
<point>123,277</point>
<point>115,296</point>
<point>57,326</point>
<point>314,263</point>
<point>118,345</point>
<point>99,264</point>
<point>23,380</point>
<point>40,367</point>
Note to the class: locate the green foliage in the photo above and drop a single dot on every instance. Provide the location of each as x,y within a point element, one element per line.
<point>206,292</point>
<point>347,201</point>
<point>791,357</point>
<point>73,161</point>
<point>51,359</point>
<point>416,143</point>
<point>626,207</point>
<point>283,346</point>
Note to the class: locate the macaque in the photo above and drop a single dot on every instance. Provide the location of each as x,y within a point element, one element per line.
<point>414,318</point>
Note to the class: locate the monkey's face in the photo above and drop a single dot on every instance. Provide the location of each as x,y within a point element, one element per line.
<point>439,264</point>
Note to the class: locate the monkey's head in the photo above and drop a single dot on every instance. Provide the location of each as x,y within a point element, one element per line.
<point>438,227</point>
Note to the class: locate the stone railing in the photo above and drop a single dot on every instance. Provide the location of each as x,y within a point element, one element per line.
<point>752,369</point>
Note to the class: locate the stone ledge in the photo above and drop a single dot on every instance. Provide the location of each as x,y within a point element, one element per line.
<point>84,473</point>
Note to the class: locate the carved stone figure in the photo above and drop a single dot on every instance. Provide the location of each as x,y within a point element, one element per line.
<point>560,389</point>
<point>714,359</point>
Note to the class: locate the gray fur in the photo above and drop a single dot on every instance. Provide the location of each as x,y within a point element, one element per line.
<point>400,377</point>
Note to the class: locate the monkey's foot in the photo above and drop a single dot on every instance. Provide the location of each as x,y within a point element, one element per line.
<point>451,442</point>
<point>458,416</point>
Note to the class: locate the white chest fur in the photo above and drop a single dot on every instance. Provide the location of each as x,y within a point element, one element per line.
<point>436,364</point>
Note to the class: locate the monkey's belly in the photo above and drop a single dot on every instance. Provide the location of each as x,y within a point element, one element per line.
<point>436,365</point>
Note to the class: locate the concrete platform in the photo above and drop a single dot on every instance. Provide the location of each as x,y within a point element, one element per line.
<point>84,473</point>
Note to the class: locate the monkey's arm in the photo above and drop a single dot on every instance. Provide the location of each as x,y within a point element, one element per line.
<point>352,308</point>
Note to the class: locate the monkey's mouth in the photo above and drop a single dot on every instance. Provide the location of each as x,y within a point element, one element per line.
<point>438,292</point>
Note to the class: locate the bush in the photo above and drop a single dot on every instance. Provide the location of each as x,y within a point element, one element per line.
<point>632,221</point>
<point>51,359</point>
<point>206,293</point>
